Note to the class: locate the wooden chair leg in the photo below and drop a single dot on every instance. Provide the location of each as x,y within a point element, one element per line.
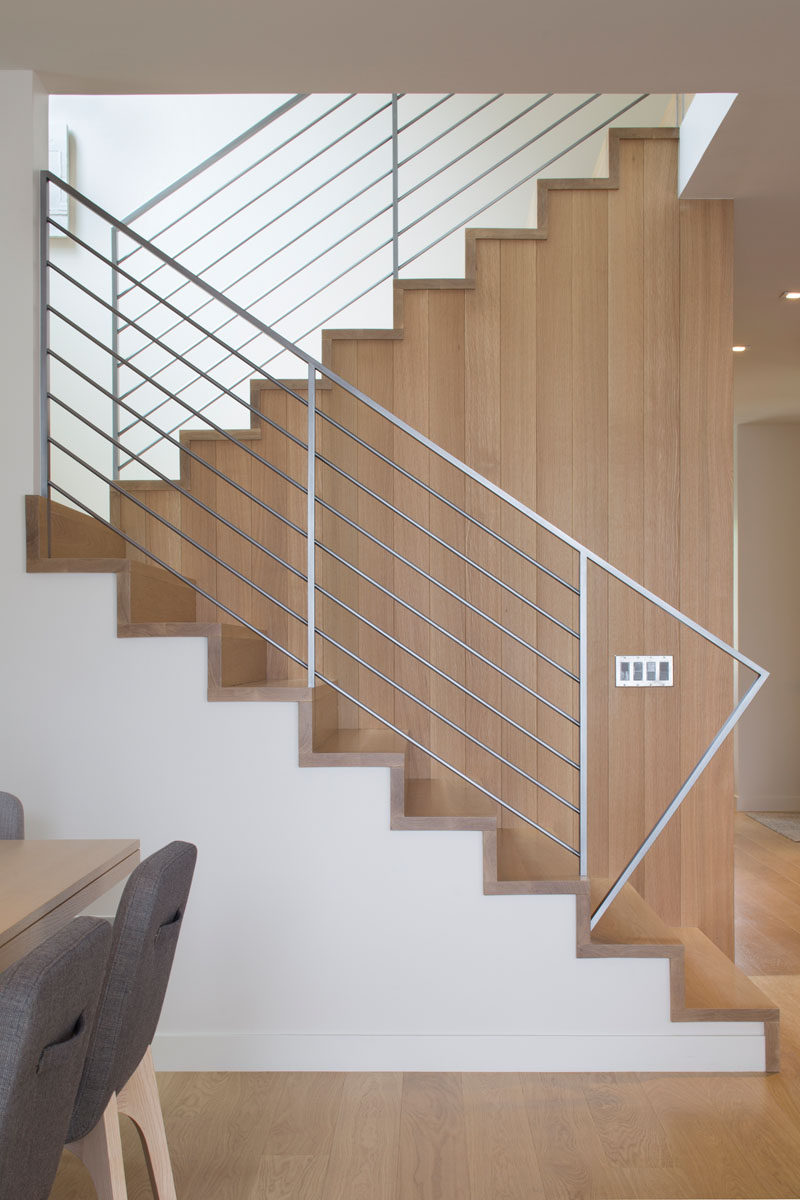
<point>101,1153</point>
<point>139,1100</point>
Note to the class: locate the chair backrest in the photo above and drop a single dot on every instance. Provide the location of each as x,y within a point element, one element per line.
<point>146,931</point>
<point>12,817</point>
<point>47,1005</point>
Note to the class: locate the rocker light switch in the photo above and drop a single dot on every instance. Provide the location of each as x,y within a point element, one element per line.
<point>644,670</point>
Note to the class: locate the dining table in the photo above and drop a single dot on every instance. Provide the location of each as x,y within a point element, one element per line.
<point>46,882</point>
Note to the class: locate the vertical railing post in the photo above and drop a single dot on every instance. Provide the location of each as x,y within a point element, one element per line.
<point>44,335</point>
<point>114,352</point>
<point>44,357</point>
<point>310,518</point>
<point>395,192</point>
<point>583,672</point>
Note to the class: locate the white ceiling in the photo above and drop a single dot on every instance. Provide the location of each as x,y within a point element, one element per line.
<point>470,46</point>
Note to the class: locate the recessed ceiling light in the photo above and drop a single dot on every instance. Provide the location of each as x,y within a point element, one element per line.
<point>738,349</point>
<point>790,295</point>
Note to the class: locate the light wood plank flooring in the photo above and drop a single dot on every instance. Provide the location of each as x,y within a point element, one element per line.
<point>508,1137</point>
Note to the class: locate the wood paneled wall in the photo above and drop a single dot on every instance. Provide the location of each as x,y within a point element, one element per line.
<point>587,371</point>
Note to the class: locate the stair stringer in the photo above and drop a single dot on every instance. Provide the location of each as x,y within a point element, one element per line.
<point>153,603</point>
<point>151,592</point>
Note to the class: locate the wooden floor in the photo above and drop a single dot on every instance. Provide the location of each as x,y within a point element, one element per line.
<point>508,1137</point>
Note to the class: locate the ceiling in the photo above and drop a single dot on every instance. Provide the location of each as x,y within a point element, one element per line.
<point>510,45</point>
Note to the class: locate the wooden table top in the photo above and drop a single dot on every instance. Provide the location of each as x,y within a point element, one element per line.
<point>43,884</point>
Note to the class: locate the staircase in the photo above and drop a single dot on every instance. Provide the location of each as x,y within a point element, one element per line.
<point>422,617</point>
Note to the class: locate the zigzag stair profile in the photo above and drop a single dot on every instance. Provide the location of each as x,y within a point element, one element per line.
<point>704,984</point>
<point>153,602</point>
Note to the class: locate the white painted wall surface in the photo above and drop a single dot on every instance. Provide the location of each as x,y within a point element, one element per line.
<point>315,937</point>
<point>768,501</point>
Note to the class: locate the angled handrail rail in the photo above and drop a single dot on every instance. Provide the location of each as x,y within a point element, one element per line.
<point>316,368</point>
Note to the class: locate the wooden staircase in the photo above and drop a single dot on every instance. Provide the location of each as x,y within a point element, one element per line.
<point>704,984</point>
<point>152,601</point>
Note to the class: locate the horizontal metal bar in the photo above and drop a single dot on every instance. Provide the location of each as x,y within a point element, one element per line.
<point>673,612</point>
<point>443,762</point>
<point>501,162</point>
<point>237,212</point>
<point>525,179</point>
<point>449,591</point>
<point>185,450</point>
<point>226,434</point>
<point>160,562</point>
<point>441,717</point>
<point>465,558</point>
<point>446,633</point>
<point>210,334</point>
<point>456,124</point>
<point>685,788</point>
<point>175,357</point>
<point>234,144</point>
<point>333,246</point>
<point>259,299</point>
<point>449,503</point>
<point>176,530</point>
<point>449,679</point>
<point>476,145</point>
<point>347,304</point>
<point>436,104</point>
<point>175,486</point>
<point>246,170</point>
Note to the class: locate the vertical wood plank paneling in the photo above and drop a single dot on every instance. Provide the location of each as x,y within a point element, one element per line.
<point>164,543</point>
<point>661,550</point>
<point>706,463</point>
<point>590,481</point>
<point>375,378</point>
<point>482,449</point>
<point>235,551</point>
<point>554,472</point>
<point>343,497</point>
<point>201,527</point>
<point>133,522</point>
<point>625,496</point>
<point>411,403</point>
<point>518,354</point>
<point>271,533</point>
<point>446,384</point>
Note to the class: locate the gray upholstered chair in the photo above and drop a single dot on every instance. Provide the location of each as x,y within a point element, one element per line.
<point>118,1075</point>
<point>48,1001</point>
<point>12,817</point>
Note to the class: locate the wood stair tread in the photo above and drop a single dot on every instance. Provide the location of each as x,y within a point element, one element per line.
<point>262,689</point>
<point>630,921</point>
<point>527,855</point>
<point>715,985</point>
<point>355,744</point>
<point>440,798</point>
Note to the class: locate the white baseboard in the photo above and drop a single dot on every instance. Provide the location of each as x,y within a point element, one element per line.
<point>738,1047</point>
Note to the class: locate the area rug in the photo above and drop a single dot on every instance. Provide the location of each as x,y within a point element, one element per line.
<point>786,824</point>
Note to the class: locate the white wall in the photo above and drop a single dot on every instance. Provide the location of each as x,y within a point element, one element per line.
<point>768,487</point>
<point>126,149</point>
<point>315,937</point>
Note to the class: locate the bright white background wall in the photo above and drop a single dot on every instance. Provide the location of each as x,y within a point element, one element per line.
<point>768,501</point>
<point>126,149</point>
<point>315,937</point>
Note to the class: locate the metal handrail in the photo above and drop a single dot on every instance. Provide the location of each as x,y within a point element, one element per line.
<point>585,556</point>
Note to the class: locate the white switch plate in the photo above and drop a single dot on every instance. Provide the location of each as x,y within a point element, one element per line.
<point>644,670</point>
